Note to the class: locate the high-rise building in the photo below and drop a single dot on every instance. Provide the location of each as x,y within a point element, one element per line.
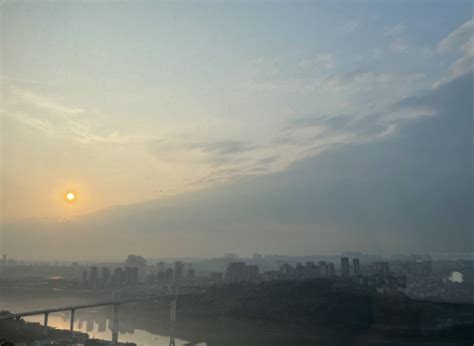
<point>105,276</point>
<point>251,273</point>
<point>323,269</point>
<point>382,269</point>
<point>169,274</point>
<point>235,272</point>
<point>85,283</point>
<point>356,266</point>
<point>178,270</point>
<point>216,277</point>
<point>299,271</point>
<point>119,277</point>
<point>331,270</point>
<point>161,276</point>
<point>311,270</point>
<point>93,280</point>
<point>131,275</point>
<point>287,270</point>
<point>191,273</point>
<point>4,261</point>
<point>345,267</point>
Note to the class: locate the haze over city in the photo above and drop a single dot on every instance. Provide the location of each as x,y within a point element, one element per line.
<point>185,129</point>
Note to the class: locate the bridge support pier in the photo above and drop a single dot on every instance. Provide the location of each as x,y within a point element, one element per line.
<point>115,325</point>
<point>71,326</point>
<point>18,323</point>
<point>45,326</point>
<point>172,321</point>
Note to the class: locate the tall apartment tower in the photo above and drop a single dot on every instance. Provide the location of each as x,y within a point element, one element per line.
<point>105,276</point>
<point>85,283</point>
<point>323,269</point>
<point>331,269</point>
<point>178,271</point>
<point>94,277</point>
<point>345,267</point>
<point>356,266</point>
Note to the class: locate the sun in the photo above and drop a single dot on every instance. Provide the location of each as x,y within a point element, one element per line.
<point>70,196</point>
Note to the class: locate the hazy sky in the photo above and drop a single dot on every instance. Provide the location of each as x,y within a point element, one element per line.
<point>221,126</point>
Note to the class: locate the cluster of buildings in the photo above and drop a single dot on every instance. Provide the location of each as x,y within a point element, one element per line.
<point>100,278</point>
<point>176,273</point>
<point>378,276</point>
<point>240,272</point>
<point>97,279</point>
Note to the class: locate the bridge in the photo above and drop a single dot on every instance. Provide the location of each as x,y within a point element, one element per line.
<point>115,303</point>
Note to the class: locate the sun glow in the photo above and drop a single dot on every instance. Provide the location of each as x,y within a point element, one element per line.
<point>70,196</point>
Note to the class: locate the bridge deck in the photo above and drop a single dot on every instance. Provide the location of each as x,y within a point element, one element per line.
<point>92,305</point>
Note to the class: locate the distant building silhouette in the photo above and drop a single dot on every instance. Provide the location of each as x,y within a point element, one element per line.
<point>323,269</point>
<point>251,273</point>
<point>235,272</point>
<point>345,272</point>
<point>191,273</point>
<point>119,277</point>
<point>105,278</point>
<point>94,277</point>
<point>131,275</point>
<point>216,277</point>
<point>85,282</point>
<point>382,269</point>
<point>356,266</point>
<point>169,274</point>
<point>178,271</point>
<point>331,270</point>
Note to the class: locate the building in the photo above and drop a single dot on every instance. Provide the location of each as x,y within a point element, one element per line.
<point>287,271</point>
<point>236,272</point>
<point>356,266</point>
<point>105,276</point>
<point>191,273</point>
<point>178,271</point>
<point>345,267</point>
<point>119,277</point>
<point>216,277</point>
<point>169,274</point>
<point>251,273</point>
<point>323,269</point>
<point>161,276</point>
<point>85,283</point>
<point>311,270</point>
<point>94,277</point>
<point>382,269</point>
<point>331,270</point>
<point>131,275</point>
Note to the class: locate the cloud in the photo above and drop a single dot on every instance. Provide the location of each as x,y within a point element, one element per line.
<point>409,192</point>
<point>395,30</point>
<point>323,61</point>
<point>226,147</point>
<point>350,26</point>
<point>461,41</point>
<point>398,45</point>
<point>457,39</point>
<point>45,103</point>
<point>57,119</point>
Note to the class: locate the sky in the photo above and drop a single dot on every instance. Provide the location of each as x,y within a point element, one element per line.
<point>202,128</point>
